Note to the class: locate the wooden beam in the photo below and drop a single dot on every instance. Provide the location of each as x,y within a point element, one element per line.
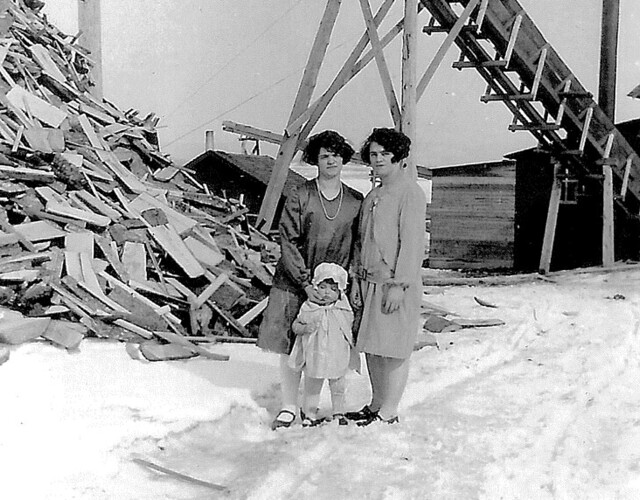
<point>315,111</point>
<point>552,219</point>
<point>252,132</point>
<point>608,256</point>
<point>383,69</point>
<point>305,91</point>
<point>442,51</point>
<point>409,91</point>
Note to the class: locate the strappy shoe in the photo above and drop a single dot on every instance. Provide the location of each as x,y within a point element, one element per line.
<point>378,418</point>
<point>363,414</point>
<point>284,418</point>
<point>310,422</point>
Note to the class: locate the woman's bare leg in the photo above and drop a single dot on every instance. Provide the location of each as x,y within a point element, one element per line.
<point>375,367</point>
<point>396,373</point>
<point>289,384</point>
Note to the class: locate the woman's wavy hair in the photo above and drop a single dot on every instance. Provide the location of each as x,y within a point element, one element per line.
<point>391,140</point>
<point>329,140</point>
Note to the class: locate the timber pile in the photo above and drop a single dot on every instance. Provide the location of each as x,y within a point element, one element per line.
<point>100,233</point>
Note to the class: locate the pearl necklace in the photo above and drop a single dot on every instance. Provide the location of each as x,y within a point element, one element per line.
<point>324,209</point>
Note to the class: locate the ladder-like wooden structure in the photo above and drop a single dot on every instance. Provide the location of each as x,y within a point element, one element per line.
<point>501,42</point>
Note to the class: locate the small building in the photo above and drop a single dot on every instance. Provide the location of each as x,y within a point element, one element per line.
<point>493,215</point>
<point>235,175</point>
<point>472,215</point>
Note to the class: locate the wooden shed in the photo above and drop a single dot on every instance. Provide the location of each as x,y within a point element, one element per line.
<point>472,215</point>
<point>233,175</point>
<point>493,215</point>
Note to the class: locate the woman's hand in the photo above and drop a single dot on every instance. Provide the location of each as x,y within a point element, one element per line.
<point>392,300</point>
<point>312,294</point>
<point>355,296</point>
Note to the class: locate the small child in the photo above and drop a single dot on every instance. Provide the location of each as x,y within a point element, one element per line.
<point>324,341</point>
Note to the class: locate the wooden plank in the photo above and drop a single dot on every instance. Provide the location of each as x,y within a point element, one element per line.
<point>608,256</point>
<point>552,220</point>
<point>97,204</point>
<point>253,313</point>
<point>43,57</point>
<point>307,86</point>
<point>181,340</point>
<point>381,63</point>
<point>81,242</point>
<point>153,351</point>
<point>66,334</point>
<point>10,229</point>
<point>27,174</point>
<point>210,290</point>
<point>72,265</point>
<point>409,88</point>
<point>41,109</point>
<point>180,222</point>
<point>181,477</point>
<point>171,242</point>
<point>76,213</point>
<point>160,310</point>
<point>112,257</point>
<point>444,48</point>
<point>17,330</point>
<point>134,260</point>
<point>205,254</point>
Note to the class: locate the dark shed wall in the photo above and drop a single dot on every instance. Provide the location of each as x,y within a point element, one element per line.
<point>472,216</point>
<point>578,239</point>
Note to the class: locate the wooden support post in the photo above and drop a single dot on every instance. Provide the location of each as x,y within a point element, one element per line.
<point>383,69</point>
<point>442,51</point>
<point>89,23</point>
<point>347,72</point>
<point>607,217</point>
<point>409,93</point>
<point>351,67</point>
<point>552,220</point>
<point>608,256</point>
<point>290,145</point>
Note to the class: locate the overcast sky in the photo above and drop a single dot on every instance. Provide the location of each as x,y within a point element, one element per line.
<point>196,63</point>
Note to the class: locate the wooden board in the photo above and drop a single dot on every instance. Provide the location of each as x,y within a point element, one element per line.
<point>203,253</point>
<point>169,240</point>
<point>26,101</point>
<point>144,201</point>
<point>134,260</point>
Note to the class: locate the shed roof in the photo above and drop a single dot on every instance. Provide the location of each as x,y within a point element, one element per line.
<point>257,166</point>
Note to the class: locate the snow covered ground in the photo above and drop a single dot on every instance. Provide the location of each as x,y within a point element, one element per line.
<point>546,406</point>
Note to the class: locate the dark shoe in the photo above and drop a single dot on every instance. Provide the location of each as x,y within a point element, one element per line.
<point>378,418</point>
<point>364,414</point>
<point>342,420</point>
<point>310,422</point>
<point>283,419</point>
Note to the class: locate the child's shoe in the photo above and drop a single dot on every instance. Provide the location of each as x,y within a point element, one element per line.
<point>341,419</point>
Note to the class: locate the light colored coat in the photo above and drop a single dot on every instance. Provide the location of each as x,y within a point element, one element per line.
<point>323,346</point>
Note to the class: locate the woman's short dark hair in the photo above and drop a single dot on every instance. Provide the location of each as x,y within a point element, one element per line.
<point>329,140</point>
<point>391,140</point>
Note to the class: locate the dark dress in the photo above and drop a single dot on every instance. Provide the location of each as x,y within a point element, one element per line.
<point>307,238</point>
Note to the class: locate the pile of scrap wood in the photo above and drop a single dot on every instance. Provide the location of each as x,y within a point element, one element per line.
<point>100,233</point>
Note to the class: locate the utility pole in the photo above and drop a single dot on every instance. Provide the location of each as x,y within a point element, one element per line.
<point>609,57</point>
<point>90,26</point>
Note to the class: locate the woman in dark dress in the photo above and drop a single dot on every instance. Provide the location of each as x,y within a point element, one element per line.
<point>318,224</point>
